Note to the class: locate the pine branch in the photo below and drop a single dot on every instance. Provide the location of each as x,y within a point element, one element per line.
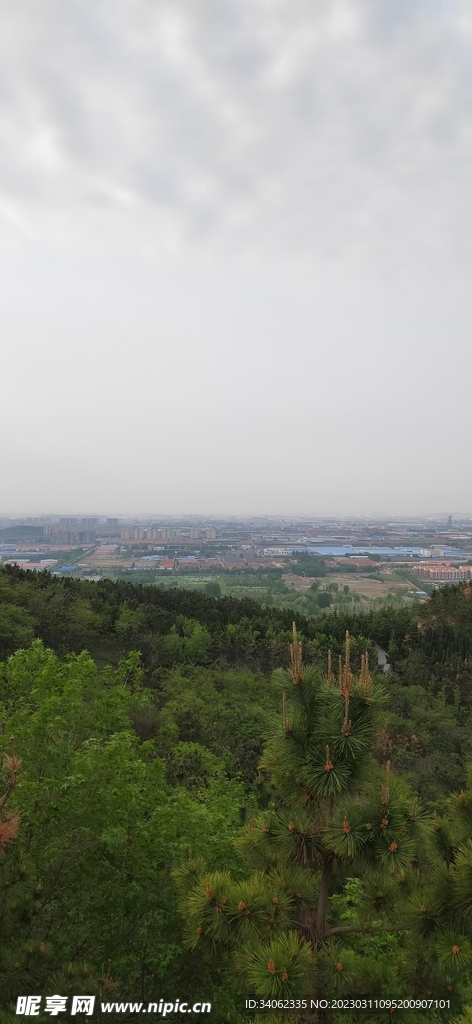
<point>366,928</point>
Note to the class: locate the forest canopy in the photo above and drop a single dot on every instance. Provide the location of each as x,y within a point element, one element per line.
<point>187,794</point>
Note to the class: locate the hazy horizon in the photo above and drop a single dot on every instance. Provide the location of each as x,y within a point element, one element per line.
<point>236,254</point>
<point>339,516</point>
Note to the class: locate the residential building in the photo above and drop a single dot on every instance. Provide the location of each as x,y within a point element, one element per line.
<point>443,573</point>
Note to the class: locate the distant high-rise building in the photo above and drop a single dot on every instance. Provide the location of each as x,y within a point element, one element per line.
<point>449,522</point>
<point>195,534</point>
<point>64,534</point>
<point>111,527</point>
<point>89,521</point>
<point>134,533</point>
<point>210,533</point>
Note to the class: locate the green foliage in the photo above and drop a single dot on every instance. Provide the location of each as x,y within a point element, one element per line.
<point>465,1018</point>
<point>88,879</point>
<point>280,968</point>
<point>331,815</point>
<point>225,710</point>
<point>385,907</point>
<point>309,565</point>
<point>128,761</point>
<point>15,627</point>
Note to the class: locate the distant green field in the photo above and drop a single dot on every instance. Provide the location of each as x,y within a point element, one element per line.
<point>270,589</point>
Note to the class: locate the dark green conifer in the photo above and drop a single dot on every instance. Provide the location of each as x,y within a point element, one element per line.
<point>335,814</point>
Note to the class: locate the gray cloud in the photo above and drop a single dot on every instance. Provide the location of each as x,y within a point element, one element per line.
<point>309,114</point>
<point>243,224</point>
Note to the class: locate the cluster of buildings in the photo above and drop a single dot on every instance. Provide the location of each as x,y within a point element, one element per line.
<point>85,530</point>
<point>443,573</point>
<point>149,534</point>
<point>186,562</point>
<point>427,546</point>
<point>24,563</point>
<point>200,563</point>
<point>70,531</point>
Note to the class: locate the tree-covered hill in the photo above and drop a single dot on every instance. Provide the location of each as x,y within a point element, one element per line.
<point>189,644</point>
<point>179,626</point>
<point>137,764</point>
<point>168,627</point>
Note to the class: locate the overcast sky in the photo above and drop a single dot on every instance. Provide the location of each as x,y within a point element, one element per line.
<point>235,256</point>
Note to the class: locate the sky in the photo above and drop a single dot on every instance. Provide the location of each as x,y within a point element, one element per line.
<point>235,256</point>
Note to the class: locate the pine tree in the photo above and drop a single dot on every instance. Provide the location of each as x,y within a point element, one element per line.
<point>331,817</point>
